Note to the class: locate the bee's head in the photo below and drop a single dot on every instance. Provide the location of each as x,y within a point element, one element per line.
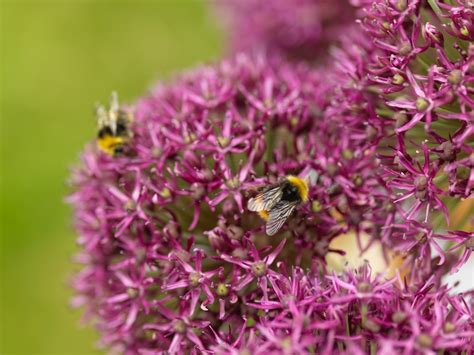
<point>299,186</point>
<point>293,188</point>
<point>104,132</point>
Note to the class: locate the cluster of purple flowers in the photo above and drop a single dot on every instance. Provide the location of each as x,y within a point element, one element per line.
<point>173,261</point>
<point>411,88</point>
<point>298,29</point>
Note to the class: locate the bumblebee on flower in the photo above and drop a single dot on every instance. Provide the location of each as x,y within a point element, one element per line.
<point>113,127</point>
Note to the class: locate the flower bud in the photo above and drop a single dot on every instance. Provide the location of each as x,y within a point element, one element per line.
<point>400,5</point>
<point>370,132</point>
<point>363,287</point>
<point>371,326</point>
<point>424,340</point>
<point>132,292</point>
<point>259,268</point>
<point>422,104</point>
<point>400,119</point>
<point>449,327</point>
<point>455,77</point>
<point>448,151</point>
<point>420,183</point>
<point>399,317</point>
<point>179,327</point>
<point>398,79</point>
<point>332,169</point>
<point>432,35</point>
<point>404,49</point>
<point>222,290</point>
<point>194,279</point>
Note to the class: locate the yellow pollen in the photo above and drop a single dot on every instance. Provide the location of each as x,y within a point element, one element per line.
<point>108,143</point>
<point>263,215</point>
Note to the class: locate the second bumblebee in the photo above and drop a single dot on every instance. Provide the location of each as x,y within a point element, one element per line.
<point>113,131</point>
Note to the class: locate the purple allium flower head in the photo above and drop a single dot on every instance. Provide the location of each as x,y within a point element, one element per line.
<point>173,261</point>
<point>298,29</point>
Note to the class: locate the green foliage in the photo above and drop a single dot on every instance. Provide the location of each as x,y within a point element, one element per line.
<point>57,59</point>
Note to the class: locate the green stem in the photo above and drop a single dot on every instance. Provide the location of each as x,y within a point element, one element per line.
<point>348,327</point>
<point>340,346</point>
<point>384,112</point>
<point>232,164</point>
<point>436,8</point>
<point>270,146</point>
<point>373,348</point>
<point>363,313</point>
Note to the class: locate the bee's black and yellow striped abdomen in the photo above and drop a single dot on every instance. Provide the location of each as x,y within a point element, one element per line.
<point>110,143</point>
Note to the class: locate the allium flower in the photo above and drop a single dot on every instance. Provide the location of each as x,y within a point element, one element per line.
<point>173,261</point>
<point>435,81</point>
<point>407,81</point>
<point>305,313</point>
<point>297,29</point>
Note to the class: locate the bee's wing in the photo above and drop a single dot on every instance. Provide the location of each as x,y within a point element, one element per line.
<point>101,115</point>
<point>278,215</point>
<point>266,199</point>
<point>114,103</point>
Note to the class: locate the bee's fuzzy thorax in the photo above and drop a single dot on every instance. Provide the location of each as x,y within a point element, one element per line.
<point>301,184</point>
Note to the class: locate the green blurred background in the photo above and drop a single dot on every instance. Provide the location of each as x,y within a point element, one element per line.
<point>57,59</point>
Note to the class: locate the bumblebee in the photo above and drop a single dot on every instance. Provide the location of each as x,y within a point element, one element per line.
<point>113,127</point>
<point>275,203</point>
